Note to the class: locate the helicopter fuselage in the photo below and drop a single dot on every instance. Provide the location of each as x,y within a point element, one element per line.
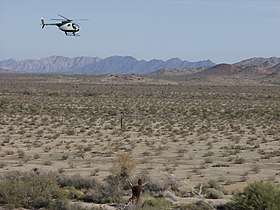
<point>68,27</point>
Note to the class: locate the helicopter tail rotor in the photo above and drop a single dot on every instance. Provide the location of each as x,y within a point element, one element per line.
<point>42,22</point>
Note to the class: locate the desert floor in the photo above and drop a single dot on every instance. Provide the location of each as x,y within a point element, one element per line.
<point>192,133</point>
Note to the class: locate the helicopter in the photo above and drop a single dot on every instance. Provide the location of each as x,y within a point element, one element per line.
<point>67,25</point>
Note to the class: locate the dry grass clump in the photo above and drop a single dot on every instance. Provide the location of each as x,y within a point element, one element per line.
<point>123,166</point>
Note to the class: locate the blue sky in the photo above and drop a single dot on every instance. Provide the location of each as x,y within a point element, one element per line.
<point>220,30</point>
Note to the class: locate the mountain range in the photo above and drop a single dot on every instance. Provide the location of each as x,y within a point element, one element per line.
<point>95,65</point>
<point>251,71</point>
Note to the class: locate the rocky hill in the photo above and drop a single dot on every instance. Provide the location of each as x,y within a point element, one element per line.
<point>4,71</point>
<point>273,78</point>
<point>261,62</point>
<point>249,72</point>
<point>233,71</point>
<point>275,68</point>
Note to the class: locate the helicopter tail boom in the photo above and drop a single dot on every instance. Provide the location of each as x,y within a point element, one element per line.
<point>43,24</point>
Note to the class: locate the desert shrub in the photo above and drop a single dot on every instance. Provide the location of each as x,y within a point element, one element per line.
<point>29,190</point>
<point>70,132</point>
<point>239,160</point>
<point>112,189</point>
<point>47,162</point>
<point>258,196</point>
<point>155,204</point>
<point>21,153</point>
<point>214,184</point>
<point>122,169</point>
<point>73,193</point>
<point>90,190</point>
<point>200,205</point>
<point>106,193</point>
<point>172,184</point>
<point>123,166</point>
<point>214,194</point>
<point>65,205</point>
<point>60,205</point>
<point>77,181</point>
<point>36,156</point>
<point>2,165</point>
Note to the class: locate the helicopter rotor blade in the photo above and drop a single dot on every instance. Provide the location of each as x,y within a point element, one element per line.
<point>64,17</point>
<point>57,19</point>
<point>80,19</point>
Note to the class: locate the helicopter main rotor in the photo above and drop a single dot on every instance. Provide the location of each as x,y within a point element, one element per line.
<point>65,19</point>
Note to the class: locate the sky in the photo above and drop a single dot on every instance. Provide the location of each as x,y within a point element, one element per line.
<point>224,31</point>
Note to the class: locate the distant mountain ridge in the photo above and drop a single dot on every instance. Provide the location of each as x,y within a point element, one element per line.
<point>261,62</point>
<point>250,71</point>
<point>233,71</point>
<point>95,65</point>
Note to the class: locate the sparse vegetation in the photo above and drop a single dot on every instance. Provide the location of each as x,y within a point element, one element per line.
<point>199,132</point>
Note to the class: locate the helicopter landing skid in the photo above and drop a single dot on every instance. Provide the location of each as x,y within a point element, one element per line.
<point>71,34</point>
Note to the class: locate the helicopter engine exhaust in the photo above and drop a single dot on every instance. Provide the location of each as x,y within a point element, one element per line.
<point>42,22</point>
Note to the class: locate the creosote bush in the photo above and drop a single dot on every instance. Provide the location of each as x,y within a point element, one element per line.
<point>29,190</point>
<point>77,181</point>
<point>155,204</point>
<point>258,196</point>
<point>52,191</point>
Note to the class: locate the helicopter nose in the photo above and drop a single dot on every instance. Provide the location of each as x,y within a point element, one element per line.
<point>76,27</point>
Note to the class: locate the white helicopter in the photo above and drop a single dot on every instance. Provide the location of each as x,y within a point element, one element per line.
<point>70,28</point>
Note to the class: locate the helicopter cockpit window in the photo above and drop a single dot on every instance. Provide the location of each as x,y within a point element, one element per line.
<point>68,24</point>
<point>74,26</point>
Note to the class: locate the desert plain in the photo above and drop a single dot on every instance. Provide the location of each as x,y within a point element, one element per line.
<point>190,133</point>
